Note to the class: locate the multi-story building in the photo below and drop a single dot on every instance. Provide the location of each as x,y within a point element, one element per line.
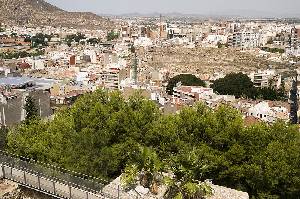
<point>110,78</point>
<point>245,39</point>
<point>262,78</point>
<point>294,47</point>
<point>13,94</point>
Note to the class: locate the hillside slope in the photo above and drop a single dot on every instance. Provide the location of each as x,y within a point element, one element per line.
<point>41,13</point>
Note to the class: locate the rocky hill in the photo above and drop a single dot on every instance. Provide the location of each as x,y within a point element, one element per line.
<point>41,13</point>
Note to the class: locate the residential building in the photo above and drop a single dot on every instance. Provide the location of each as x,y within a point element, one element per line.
<point>294,47</point>
<point>270,112</point>
<point>262,79</point>
<point>110,78</point>
<point>245,39</point>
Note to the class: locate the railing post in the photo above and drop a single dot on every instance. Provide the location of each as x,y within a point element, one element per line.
<point>39,181</point>
<point>118,191</point>
<point>25,177</point>
<point>70,190</point>
<point>54,187</point>
<point>3,171</point>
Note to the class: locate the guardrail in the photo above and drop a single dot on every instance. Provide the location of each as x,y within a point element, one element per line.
<point>48,180</point>
<point>58,182</point>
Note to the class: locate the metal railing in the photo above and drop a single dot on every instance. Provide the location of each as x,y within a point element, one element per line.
<point>58,182</point>
<point>48,180</point>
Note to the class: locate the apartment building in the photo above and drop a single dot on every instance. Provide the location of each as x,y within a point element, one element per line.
<point>245,39</point>
<point>294,47</point>
<point>261,79</point>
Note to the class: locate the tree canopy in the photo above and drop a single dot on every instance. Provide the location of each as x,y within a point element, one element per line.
<point>74,38</point>
<point>40,39</point>
<point>112,36</point>
<point>186,80</point>
<point>3,136</point>
<point>273,50</point>
<point>31,108</point>
<point>20,54</point>
<point>240,85</point>
<point>103,135</point>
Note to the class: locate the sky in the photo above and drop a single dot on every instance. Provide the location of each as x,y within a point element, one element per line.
<point>255,7</point>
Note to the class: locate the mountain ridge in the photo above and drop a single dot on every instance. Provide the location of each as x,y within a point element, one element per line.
<point>42,13</point>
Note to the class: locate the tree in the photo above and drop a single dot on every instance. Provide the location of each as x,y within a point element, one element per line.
<point>40,39</point>
<point>93,41</point>
<point>3,137</point>
<point>186,80</point>
<point>240,85</point>
<point>30,108</point>
<point>103,134</point>
<point>112,36</point>
<point>146,169</point>
<point>74,38</point>
<point>234,84</point>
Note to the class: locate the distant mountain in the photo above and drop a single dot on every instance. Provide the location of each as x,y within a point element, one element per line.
<point>41,13</point>
<point>219,14</point>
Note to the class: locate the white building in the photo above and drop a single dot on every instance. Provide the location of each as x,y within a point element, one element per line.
<point>262,78</point>
<point>245,39</point>
<point>264,112</point>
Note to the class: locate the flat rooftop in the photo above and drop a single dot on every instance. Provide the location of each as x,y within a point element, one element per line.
<point>23,81</point>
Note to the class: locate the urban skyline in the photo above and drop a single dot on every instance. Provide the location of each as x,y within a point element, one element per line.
<point>215,7</point>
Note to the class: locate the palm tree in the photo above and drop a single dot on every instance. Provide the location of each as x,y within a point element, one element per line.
<point>147,172</point>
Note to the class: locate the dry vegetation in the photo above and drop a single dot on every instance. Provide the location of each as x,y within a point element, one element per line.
<point>39,12</point>
<point>202,60</point>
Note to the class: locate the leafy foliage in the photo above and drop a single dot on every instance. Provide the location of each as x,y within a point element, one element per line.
<point>186,80</point>
<point>112,36</point>
<point>93,41</point>
<point>240,85</point>
<point>20,54</point>
<point>40,39</point>
<point>273,50</point>
<point>31,108</point>
<point>74,38</point>
<point>147,170</point>
<point>3,136</point>
<point>103,135</point>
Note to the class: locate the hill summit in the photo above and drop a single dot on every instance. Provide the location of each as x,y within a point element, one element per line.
<point>41,13</point>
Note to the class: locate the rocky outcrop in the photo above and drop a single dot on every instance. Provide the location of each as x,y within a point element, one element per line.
<point>220,192</point>
<point>11,190</point>
<point>8,189</point>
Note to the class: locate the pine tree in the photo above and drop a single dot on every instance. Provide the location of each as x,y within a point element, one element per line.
<point>30,108</point>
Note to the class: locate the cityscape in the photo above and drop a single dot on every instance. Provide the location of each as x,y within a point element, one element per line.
<point>152,104</point>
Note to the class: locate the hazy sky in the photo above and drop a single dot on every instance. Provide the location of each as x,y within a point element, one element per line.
<point>276,7</point>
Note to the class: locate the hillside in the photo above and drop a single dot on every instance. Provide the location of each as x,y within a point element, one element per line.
<point>40,13</point>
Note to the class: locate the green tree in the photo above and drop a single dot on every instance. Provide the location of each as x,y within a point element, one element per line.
<point>240,85</point>
<point>147,170</point>
<point>186,80</point>
<point>103,134</point>
<point>74,38</point>
<point>40,39</point>
<point>234,84</point>
<point>30,108</point>
<point>93,41</point>
<point>112,36</point>
<point>3,137</point>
